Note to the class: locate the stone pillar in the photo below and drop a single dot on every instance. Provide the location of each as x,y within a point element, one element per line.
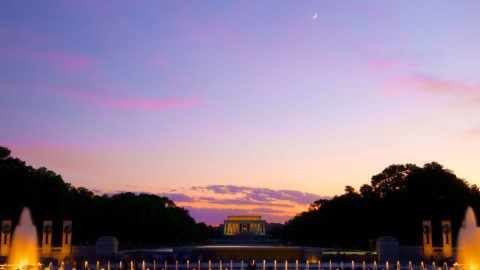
<point>107,246</point>
<point>427,239</point>
<point>67,238</point>
<point>5,237</point>
<point>447,238</point>
<point>388,249</point>
<point>46,237</point>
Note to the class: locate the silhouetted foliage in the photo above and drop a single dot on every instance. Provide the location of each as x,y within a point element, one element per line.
<point>136,220</point>
<point>395,203</point>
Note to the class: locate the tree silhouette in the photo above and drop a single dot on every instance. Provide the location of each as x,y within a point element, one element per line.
<point>136,219</point>
<point>394,203</point>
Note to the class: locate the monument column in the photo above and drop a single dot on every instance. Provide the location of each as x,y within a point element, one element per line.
<point>46,238</point>
<point>427,239</point>
<point>5,237</point>
<point>447,238</point>
<point>67,238</point>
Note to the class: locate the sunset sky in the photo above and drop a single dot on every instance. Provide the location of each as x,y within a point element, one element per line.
<point>239,107</point>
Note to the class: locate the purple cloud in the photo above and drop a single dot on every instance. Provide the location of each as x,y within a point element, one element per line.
<point>126,103</point>
<point>218,215</point>
<point>177,197</point>
<point>241,201</point>
<point>263,195</point>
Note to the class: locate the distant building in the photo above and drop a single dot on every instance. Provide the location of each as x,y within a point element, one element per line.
<point>244,225</point>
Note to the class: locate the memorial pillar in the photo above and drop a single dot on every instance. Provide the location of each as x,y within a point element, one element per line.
<point>427,240</point>
<point>67,238</point>
<point>46,237</point>
<point>5,237</point>
<point>447,238</point>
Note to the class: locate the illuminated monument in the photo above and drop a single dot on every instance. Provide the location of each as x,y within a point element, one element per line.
<point>244,225</point>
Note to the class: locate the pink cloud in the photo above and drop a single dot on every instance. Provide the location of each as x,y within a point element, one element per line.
<point>69,60</point>
<point>435,85</point>
<point>57,59</point>
<point>157,104</point>
<point>159,61</point>
<point>428,84</point>
<point>132,103</point>
<point>383,64</point>
<point>24,44</point>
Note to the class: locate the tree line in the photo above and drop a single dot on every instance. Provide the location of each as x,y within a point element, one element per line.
<point>394,203</point>
<point>135,219</point>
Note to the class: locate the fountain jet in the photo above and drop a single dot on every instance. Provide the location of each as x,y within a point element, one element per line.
<point>24,249</point>
<point>468,252</point>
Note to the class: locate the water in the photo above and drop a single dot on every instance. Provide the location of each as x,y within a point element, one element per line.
<point>24,249</point>
<point>468,245</point>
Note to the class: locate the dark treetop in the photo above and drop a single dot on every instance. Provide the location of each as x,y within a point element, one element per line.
<point>137,220</point>
<point>394,203</point>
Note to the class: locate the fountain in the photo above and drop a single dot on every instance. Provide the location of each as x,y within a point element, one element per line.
<point>468,252</point>
<point>24,249</point>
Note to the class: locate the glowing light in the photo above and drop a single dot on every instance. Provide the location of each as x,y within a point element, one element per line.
<point>24,250</point>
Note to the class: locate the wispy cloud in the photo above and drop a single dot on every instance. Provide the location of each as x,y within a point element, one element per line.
<point>241,201</point>
<point>429,85</point>
<point>263,194</point>
<point>157,104</point>
<point>177,197</point>
<point>131,103</point>
<point>213,203</point>
<point>60,60</point>
<point>218,215</point>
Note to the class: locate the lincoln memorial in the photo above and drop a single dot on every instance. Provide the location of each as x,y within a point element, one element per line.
<point>244,225</point>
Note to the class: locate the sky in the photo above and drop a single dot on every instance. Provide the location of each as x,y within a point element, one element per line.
<point>239,107</point>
